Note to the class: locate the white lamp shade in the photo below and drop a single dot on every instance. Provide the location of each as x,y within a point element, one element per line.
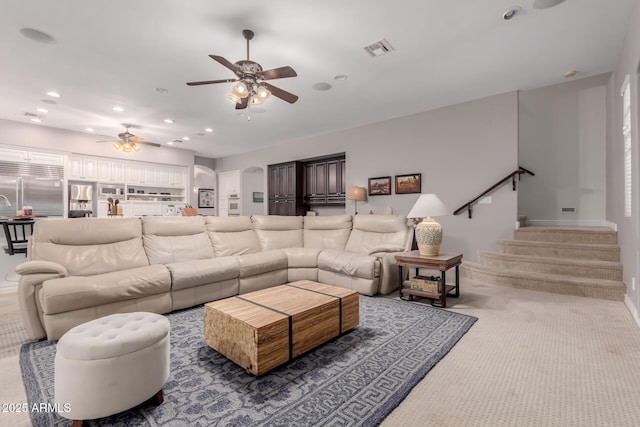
<point>357,193</point>
<point>428,205</point>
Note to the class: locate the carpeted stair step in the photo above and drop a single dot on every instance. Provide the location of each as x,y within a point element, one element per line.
<point>600,252</point>
<point>605,270</point>
<point>559,284</point>
<point>590,235</point>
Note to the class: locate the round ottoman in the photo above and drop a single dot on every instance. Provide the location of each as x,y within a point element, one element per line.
<point>111,364</point>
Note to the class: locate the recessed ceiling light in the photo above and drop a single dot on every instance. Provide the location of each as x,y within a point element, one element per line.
<point>509,13</point>
<point>168,121</point>
<point>185,138</point>
<point>35,119</point>
<point>53,94</point>
<point>118,109</point>
<point>169,142</point>
<point>321,86</point>
<point>42,110</point>
<point>37,35</point>
<point>208,130</point>
<point>89,129</point>
<point>570,74</point>
<point>340,77</point>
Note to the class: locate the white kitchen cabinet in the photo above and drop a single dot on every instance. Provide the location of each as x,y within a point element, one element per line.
<point>141,174</point>
<point>82,168</point>
<point>170,177</point>
<point>146,208</point>
<point>10,155</point>
<point>109,171</point>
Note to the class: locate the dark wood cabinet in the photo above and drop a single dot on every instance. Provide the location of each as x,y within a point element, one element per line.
<point>286,189</point>
<point>325,182</point>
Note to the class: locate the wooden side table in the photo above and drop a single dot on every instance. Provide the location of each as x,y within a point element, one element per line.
<point>442,263</point>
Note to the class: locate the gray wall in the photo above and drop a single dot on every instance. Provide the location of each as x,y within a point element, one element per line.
<point>628,228</point>
<point>562,134</point>
<point>460,150</point>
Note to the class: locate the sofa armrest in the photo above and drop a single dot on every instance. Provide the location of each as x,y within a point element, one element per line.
<point>32,275</point>
<point>42,267</point>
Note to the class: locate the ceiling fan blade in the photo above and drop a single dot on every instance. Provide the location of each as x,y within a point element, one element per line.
<point>230,65</point>
<point>208,82</point>
<point>277,73</point>
<point>153,144</point>
<point>111,142</point>
<point>242,105</point>
<point>282,94</point>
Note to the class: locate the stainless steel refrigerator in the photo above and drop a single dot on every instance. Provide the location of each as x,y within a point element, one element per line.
<point>38,186</point>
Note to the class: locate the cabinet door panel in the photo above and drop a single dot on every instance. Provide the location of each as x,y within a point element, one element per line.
<point>333,177</point>
<point>320,173</point>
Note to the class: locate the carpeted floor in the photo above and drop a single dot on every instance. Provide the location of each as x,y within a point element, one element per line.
<point>532,359</point>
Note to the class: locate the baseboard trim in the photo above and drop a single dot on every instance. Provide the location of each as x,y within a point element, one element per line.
<point>632,309</point>
<point>570,223</point>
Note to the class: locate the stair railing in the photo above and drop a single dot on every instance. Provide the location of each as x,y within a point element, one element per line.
<point>512,176</point>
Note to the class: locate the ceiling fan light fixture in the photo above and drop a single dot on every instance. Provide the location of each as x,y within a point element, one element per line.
<point>117,145</point>
<point>263,93</point>
<point>240,89</point>
<point>136,147</point>
<point>234,98</point>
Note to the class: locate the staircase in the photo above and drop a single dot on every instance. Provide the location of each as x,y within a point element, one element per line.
<point>583,261</point>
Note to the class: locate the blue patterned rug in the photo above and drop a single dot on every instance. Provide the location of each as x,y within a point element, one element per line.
<point>353,380</point>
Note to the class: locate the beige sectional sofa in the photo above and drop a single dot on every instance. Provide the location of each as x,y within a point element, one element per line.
<point>84,268</point>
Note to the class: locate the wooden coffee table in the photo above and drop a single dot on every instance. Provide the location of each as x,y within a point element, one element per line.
<point>264,329</point>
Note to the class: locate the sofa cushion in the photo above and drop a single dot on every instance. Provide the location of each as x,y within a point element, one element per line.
<point>277,232</point>
<point>232,235</point>
<point>170,239</point>
<point>329,232</point>
<point>302,257</point>
<point>76,292</point>
<point>378,233</point>
<point>89,246</point>
<point>189,274</point>
<point>264,262</point>
<point>349,263</point>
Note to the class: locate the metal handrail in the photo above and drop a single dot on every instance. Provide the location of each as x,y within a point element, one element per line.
<point>468,206</point>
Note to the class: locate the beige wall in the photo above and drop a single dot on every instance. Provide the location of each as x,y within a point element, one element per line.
<point>628,228</point>
<point>460,151</point>
<point>562,136</point>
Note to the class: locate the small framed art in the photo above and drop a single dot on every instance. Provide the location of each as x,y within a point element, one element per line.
<point>258,197</point>
<point>206,197</point>
<point>380,186</point>
<point>407,184</point>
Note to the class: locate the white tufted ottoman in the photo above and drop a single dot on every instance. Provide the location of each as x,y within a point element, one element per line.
<point>111,364</point>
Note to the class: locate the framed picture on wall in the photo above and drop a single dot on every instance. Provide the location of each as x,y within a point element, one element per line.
<point>258,197</point>
<point>380,186</point>
<point>206,197</point>
<point>407,184</point>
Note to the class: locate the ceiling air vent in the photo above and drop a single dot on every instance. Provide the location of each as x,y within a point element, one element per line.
<point>31,115</point>
<point>378,48</point>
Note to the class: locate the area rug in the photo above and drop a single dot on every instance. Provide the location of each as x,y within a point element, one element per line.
<point>353,380</point>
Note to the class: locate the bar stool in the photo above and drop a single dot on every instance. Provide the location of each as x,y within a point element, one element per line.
<point>17,233</point>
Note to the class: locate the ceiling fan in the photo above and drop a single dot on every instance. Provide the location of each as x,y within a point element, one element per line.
<point>250,87</point>
<point>129,141</point>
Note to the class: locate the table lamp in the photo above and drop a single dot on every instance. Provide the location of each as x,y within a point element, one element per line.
<point>428,232</point>
<point>357,193</point>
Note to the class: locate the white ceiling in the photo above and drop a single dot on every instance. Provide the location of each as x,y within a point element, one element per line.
<point>117,52</point>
